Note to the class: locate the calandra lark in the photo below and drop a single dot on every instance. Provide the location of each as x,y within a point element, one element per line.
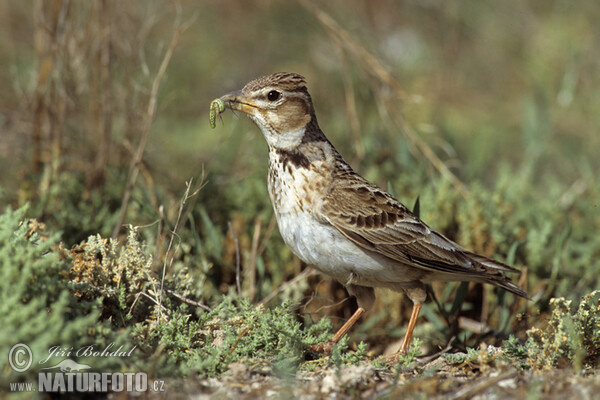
<point>338,222</point>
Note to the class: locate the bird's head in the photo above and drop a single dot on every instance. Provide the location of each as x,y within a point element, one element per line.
<point>279,104</point>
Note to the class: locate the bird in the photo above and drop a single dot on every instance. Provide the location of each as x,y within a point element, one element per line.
<point>335,220</point>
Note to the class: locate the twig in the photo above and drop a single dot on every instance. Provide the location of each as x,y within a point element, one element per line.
<point>468,324</point>
<point>350,96</point>
<point>159,235</point>
<point>160,306</point>
<point>484,383</point>
<point>134,168</point>
<point>427,359</point>
<point>237,261</point>
<point>426,150</point>
<point>372,66</point>
<point>369,61</point>
<point>102,99</point>
<point>573,192</point>
<point>303,275</point>
<point>330,306</point>
<point>137,297</point>
<point>250,280</point>
<point>189,301</point>
<point>243,333</point>
<point>267,237</point>
<point>185,197</point>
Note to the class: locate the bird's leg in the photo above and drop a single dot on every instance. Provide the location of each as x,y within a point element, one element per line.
<point>365,297</point>
<point>328,345</point>
<point>409,329</point>
<point>416,292</point>
<point>393,358</point>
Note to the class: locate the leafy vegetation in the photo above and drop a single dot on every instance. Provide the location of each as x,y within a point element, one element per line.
<point>38,305</point>
<point>105,124</point>
<point>104,282</point>
<point>571,336</point>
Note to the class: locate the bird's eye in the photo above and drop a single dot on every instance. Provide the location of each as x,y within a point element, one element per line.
<point>273,95</point>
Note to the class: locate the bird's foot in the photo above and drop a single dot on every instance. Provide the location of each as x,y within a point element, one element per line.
<point>322,348</point>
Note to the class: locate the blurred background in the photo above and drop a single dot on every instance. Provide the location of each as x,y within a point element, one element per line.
<point>485,111</point>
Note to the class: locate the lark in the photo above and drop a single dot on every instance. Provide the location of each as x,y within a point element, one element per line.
<point>336,221</point>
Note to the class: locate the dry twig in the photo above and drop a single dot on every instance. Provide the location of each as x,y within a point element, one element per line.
<point>186,196</point>
<point>238,271</point>
<point>303,275</point>
<point>250,276</point>
<point>189,301</point>
<point>372,66</point>
<point>481,385</point>
<point>134,167</point>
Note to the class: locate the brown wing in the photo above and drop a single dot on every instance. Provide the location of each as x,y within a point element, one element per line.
<point>376,221</point>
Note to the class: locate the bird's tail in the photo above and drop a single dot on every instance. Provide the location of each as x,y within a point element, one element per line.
<point>494,277</point>
<point>506,283</point>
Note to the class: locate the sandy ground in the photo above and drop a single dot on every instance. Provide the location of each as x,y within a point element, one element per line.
<point>438,378</point>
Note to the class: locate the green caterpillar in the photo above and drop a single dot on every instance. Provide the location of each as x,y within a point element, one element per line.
<point>217,106</point>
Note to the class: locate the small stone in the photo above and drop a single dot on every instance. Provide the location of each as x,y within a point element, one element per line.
<point>329,382</point>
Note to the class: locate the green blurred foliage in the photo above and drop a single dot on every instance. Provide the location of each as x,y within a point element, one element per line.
<point>570,338</point>
<point>505,93</point>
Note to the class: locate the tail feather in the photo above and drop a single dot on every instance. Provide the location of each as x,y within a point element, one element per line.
<point>493,276</point>
<point>507,284</point>
<point>489,263</point>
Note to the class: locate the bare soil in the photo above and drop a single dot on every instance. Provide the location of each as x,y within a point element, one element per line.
<point>434,379</point>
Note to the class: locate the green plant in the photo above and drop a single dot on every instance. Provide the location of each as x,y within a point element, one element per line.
<point>341,354</point>
<point>37,306</point>
<point>234,331</point>
<point>406,361</point>
<point>123,276</point>
<point>571,336</point>
<point>471,356</point>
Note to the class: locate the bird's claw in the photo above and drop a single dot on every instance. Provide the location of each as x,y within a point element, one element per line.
<point>322,348</point>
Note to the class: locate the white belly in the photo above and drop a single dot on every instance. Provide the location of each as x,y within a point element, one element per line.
<point>319,244</point>
<point>325,248</point>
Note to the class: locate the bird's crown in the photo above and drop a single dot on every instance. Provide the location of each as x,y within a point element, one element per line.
<point>284,80</point>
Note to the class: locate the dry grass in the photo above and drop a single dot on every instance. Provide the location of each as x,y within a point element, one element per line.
<point>104,122</point>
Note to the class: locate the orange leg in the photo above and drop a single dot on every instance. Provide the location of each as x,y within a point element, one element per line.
<point>409,329</point>
<point>328,346</point>
<point>393,358</point>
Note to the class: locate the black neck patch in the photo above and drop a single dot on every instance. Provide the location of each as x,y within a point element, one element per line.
<point>313,133</point>
<point>293,157</point>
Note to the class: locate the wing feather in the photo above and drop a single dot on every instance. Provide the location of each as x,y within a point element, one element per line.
<point>376,221</point>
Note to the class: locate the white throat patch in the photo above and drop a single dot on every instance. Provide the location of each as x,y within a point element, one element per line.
<point>287,140</point>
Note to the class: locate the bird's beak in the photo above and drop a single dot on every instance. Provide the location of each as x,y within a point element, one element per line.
<point>238,101</point>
